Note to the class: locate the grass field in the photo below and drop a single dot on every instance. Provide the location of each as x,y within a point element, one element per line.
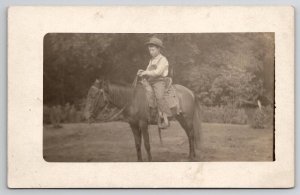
<point>114,142</point>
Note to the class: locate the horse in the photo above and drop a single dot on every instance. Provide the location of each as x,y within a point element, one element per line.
<point>134,106</point>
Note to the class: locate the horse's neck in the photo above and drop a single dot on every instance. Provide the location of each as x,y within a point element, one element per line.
<point>120,96</point>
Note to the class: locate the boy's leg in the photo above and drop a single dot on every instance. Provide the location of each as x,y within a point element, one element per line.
<point>152,101</point>
<point>159,90</point>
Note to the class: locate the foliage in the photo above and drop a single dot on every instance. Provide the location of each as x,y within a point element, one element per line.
<point>226,71</point>
<point>263,117</point>
<point>224,114</point>
<point>258,119</point>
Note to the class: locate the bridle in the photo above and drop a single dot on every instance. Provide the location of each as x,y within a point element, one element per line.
<point>100,94</point>
<point>105,97</point>
<point>107,101</point>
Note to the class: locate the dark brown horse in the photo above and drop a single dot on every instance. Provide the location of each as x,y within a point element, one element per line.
<point>134,105</point>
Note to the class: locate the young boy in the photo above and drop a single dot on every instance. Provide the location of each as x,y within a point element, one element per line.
<point>155,74</point>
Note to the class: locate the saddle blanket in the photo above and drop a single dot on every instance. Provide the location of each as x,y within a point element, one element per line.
<point>170,96</point>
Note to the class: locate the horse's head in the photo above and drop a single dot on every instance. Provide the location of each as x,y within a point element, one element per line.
<point>96,99</point>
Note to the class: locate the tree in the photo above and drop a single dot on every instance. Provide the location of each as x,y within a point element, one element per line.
<point>220,68</point>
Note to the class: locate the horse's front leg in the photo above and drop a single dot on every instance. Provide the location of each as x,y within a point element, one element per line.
<point>137,139</point>
<point>144,128</point>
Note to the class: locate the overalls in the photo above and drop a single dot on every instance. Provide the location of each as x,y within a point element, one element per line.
<point>159,86</point>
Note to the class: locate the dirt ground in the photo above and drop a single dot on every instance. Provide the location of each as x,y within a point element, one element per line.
<point>114,142</point>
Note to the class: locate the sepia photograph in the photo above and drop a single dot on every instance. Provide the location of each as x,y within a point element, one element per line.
<point>119,96</point>
<point>161,97</point>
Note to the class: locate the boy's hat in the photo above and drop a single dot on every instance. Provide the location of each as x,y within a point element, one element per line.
<point>155,41</point>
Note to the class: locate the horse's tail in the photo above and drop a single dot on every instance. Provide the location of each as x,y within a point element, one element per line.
<point>197,123</point>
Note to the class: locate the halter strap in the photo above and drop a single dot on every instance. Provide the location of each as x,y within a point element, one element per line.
<point>113,116</point>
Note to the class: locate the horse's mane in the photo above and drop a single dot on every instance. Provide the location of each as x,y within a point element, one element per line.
<point>134,97</point>
<point>120,94</point>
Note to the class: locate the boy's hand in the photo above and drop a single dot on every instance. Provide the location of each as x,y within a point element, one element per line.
<point>144,73</point>
<point>140,72</point>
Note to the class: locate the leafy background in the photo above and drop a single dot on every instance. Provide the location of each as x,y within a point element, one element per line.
<point>225,70</point>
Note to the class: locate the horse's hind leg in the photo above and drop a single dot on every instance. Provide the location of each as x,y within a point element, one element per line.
<point>187,125</point>
<point>137,139</point>
<point>144,129</point>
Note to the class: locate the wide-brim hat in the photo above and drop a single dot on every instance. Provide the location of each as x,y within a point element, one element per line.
<point>155,41</point>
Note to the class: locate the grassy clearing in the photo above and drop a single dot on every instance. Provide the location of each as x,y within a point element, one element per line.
<point>114,142</point>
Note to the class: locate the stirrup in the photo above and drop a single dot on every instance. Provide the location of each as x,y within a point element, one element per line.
<point>162,125</point>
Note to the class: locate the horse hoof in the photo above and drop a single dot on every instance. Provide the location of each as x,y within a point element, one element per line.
<point>192,158</point>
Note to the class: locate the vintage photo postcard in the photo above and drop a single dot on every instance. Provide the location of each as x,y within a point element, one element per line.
<point>151,97</point>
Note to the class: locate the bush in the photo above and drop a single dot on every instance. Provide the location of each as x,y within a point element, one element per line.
<point>255,117</point>
<point>224,114</point>
<point>262,118</point>
<point>269,115</point>
<point>258,121</point>
<point>74,114</point>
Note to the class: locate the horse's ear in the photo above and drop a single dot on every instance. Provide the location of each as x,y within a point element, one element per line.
<point>104,84</point>
<point>97,83</point>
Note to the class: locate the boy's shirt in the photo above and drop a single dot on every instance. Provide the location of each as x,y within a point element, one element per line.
<point>158,66</point>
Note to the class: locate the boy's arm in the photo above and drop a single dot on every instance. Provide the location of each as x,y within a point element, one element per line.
<point>141,70</point>
<point>161,67</point>
<point>148,65</point>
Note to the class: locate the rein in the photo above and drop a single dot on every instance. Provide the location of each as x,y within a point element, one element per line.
<point>115,115</point>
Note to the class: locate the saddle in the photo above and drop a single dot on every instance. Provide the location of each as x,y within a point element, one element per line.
<point>170,95</point>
